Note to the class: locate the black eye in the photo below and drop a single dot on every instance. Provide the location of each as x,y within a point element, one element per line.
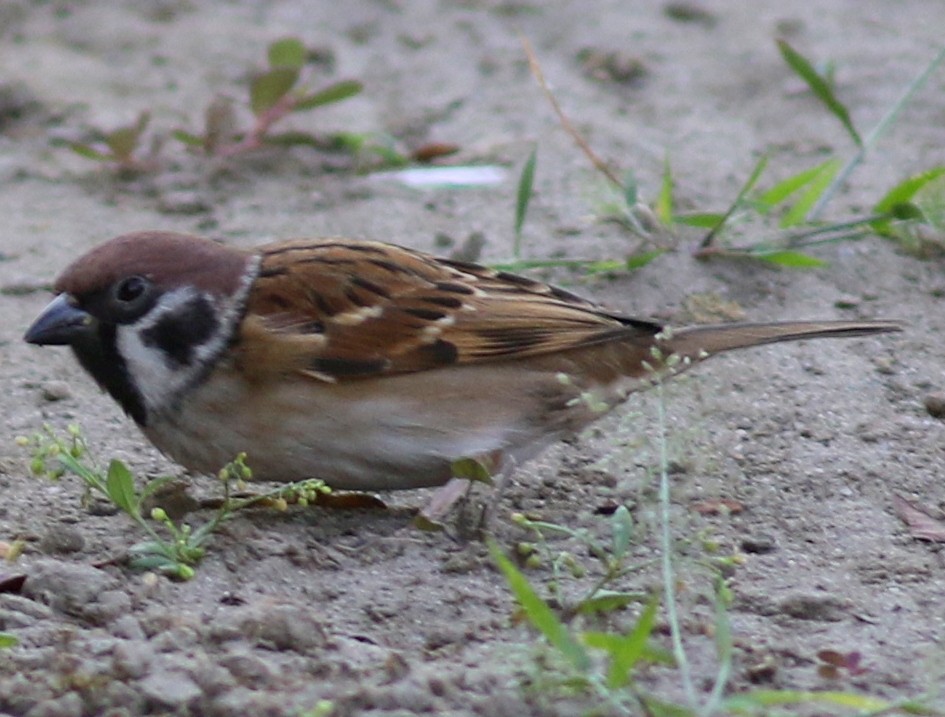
<point>128,299</point>
<point>131,289</point>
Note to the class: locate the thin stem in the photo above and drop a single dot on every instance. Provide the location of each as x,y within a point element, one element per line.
<point>873,137</point>
<point>669,576</point>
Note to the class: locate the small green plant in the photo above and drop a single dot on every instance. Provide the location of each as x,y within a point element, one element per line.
<point>912,212</point>
<point>7,641</point>
<point>175,552</point>
<point>121,147</point>
<point>566,568</point>
<point>274,94</point>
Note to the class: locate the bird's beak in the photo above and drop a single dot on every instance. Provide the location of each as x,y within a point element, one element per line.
<point>60,324</point>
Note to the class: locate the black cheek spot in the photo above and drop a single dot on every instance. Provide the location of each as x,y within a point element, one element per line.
<point>180,332</point>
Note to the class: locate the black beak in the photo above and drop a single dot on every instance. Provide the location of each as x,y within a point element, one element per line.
<point>60,324</point>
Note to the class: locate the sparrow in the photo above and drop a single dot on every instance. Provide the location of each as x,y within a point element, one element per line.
<point>368,365</point>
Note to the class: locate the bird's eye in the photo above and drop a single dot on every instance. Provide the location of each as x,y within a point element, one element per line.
<point>129,298</point>
<point>131,289</point>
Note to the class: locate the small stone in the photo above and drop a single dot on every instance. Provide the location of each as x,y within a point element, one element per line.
<point>132,658</point>
<point>818,608</point>
<point>55,391</point>
<point>69,705</point>
<point>759,544</point>
<point>62,539</point>
<point>935,404</point>
<point>170,688</point>
<point>74,589</point>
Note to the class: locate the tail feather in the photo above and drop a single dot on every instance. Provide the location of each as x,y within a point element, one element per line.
<point>695,342</point>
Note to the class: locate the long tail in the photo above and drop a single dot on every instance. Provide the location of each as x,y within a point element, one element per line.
<point>695,342</point>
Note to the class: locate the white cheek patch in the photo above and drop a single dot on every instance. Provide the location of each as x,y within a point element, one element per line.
<point>154,378</point>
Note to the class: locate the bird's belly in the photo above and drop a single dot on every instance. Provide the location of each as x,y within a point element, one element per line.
<point>378,434</point>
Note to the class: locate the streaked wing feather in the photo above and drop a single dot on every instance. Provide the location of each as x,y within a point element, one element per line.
<point>338,309</point>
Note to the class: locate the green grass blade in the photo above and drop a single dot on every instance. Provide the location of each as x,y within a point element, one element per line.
<point>333,93</point>
<point>814,190</point>
<point>903,192</point>
<point>820,87</point>
<point>877,132</point>
<point>786,187</point>
<point>792,259</point>
<point>523,197</point>
<point>664,202</point>
<point>749,184</point>
<point>752,701</point>
<point>540,614</point>
<point>700,220</point>
<point>7,640</point>
<point>625,651</point>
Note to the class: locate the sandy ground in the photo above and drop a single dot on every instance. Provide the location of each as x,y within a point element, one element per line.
<point>291,609</point>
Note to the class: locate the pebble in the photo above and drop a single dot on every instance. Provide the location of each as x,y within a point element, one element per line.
<point>759,544</point>
<point>131,659</point>
<point>78,590</point>
<point>170,688</point>
<point>55,391</point>
<point>819,607</point>
<point>69,705</point>
<point>61,539</point>
<point>935,404</point>
<point>284,626</point>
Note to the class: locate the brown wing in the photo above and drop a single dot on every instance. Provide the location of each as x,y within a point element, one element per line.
<point>341,309</point>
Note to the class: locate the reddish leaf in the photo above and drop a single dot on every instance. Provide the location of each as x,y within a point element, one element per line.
<point>434,150</point>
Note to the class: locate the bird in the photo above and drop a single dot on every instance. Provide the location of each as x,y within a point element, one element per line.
<point>368,365</point>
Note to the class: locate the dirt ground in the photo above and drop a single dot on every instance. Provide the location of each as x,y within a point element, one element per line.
<point>344,613</point>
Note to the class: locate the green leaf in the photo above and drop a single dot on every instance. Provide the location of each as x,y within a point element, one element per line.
<point>608,601</point>
<point>898,204</point>
<point>294,139</point>
<point>120,487</point>
<point>752,701</point>
<point>7,640</point>
<point>191,140</point>
<point>84,150</point>
<point>786,187</point>
<point>333,93</point>
<point>815,188</point>
<point>664,202</point>
<point>288,52</point>
<point>625,651</point>
<point>523,197</point>
<point>124,141</point>
<point>819,86</point>
<point>749,184</point>
<point>540,614</point>
<point>792,259</point>
<point>471,469</point>
<point>621,526</point>
<point>270,87</point>
<point>906,190</point>
<point>637,261</point>
<point>702,220</point>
